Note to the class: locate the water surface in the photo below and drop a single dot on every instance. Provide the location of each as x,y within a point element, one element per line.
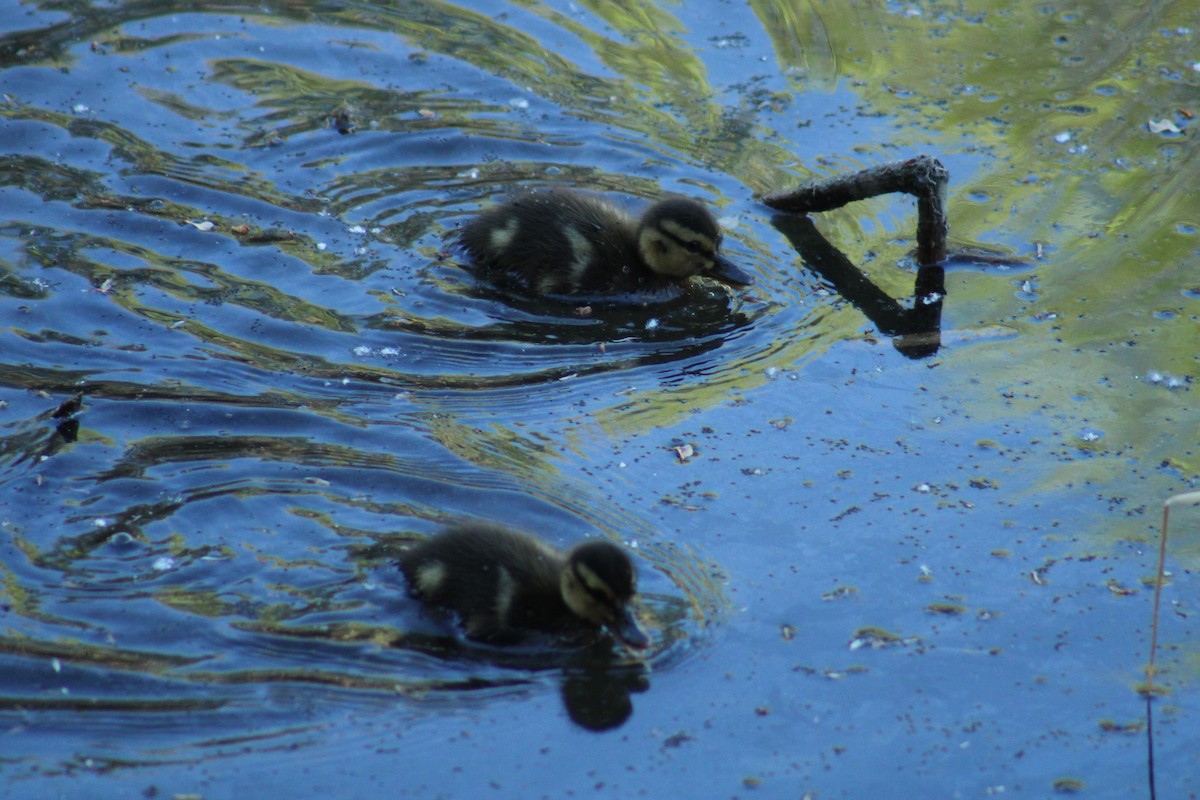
<point>243,365</point>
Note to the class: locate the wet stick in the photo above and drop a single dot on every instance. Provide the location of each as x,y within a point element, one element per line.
<point>923,177</point>
<point>1147,690</point>
<point>1188,498</point>
<point>916,330</point>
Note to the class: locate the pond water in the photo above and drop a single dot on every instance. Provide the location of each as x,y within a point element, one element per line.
<point>243,366</point>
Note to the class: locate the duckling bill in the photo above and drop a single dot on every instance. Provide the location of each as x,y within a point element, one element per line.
<point>560,242</point>
<point>504,585</point>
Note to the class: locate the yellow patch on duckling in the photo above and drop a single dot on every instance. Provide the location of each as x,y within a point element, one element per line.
<point>430,577</point>
<point>503,236</point>
<point>506,590</point>
<point>582,254</point>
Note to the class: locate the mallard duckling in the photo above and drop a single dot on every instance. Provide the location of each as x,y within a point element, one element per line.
<point>560,242</point>
<point>504,584</point>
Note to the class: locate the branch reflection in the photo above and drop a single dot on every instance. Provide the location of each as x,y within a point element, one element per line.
<point>915,331</point>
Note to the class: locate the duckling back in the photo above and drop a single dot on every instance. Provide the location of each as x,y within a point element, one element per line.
<point>498,581</point>
<point>557,242</point>
<point>503,584</point>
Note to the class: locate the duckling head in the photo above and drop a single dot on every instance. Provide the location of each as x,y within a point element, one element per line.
<point>678,238</point>
<point>598,582</point>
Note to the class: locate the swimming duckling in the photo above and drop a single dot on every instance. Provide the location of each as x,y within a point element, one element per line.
<point>561,242</point>
<point>504,584</point>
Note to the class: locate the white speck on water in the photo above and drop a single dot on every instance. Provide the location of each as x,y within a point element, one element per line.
<point>652,323</point>
<point>1156,378</point>
<point>1090,435</point>
<point>389,351</point>
<point>345,381</point>
<point>357,229</point>
<point>164,564</point>
<point>621,465</point>
<point>80,108</point>
<point>321,246</point>
<point>362,350</point>
<point>1063,138</point>
<point>56,665</point>
<point>102,522</point>
<point>519,103</point>
<point>471,173</point>
<point>924,488</point>
<point>772,372</point>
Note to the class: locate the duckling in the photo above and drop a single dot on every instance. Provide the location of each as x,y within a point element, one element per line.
<point>504,584</point>
<point>560,242</point>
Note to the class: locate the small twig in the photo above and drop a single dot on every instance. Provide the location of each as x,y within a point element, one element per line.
<point>1148,691</point>
<point>924,177</point>
<point>1187,497</point>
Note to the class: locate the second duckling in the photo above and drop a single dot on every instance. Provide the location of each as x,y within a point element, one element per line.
<point>560,242</point>
<point>504,584</point>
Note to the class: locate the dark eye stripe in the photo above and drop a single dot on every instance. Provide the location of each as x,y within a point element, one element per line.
<point>693,245</point>
<point>602,596</point>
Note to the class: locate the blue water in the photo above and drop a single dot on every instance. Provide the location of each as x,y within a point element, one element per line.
<point>284,374</point>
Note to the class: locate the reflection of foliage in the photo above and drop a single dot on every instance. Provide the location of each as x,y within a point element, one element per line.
<point>117,259</point>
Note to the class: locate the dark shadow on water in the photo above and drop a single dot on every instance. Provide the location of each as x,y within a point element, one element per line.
<point>915,331</point>
<point>597,679</point>
<point>597,688</point>
<point>700,311</point>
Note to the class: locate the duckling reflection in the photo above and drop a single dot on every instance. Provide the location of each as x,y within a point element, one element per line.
<point>505,585</point>
<point>597,690</point>
<point>560,242</point>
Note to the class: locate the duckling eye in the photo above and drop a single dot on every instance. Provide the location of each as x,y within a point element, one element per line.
<point>693,246</point>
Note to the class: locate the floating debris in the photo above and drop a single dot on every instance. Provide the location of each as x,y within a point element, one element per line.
<point>1156,378</point>
<point>1068,785</point>
<point>1163,126</point>
<point>947,609</point>
<point>839,593</point>
<point>1117,588</point>
<point>1112,726</point>
<point>877,638</point>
